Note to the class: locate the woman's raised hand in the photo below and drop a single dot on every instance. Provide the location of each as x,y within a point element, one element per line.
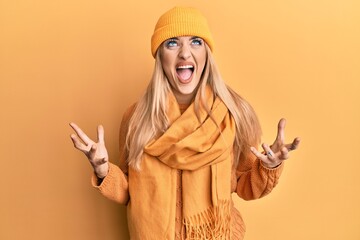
<point>95,151</point>
<point>279,151</point>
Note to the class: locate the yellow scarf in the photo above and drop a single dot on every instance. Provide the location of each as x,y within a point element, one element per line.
<point>201,147</point>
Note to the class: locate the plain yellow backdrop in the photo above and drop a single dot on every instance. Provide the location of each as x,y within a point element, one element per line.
<point>86,61</point>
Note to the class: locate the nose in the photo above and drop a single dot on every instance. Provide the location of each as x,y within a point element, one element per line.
<point>185,51</point>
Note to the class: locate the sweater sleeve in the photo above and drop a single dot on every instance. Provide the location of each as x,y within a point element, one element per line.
<point>254,180</point>
<point>115,185</point>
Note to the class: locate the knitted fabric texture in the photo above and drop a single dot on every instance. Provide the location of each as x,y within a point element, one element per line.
<point>202,149</point>
<point>180,21</point>
<point>250,180</point>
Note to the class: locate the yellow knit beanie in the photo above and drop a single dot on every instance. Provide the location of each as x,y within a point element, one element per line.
<point>180,21</point>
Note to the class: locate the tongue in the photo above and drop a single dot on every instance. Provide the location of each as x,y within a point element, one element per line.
<point>184,74</point>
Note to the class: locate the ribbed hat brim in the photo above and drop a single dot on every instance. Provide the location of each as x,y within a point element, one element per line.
<point>180,21</point>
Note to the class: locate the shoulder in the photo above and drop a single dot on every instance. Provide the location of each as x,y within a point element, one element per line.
<point>125,122</point>
<point>129,112</point>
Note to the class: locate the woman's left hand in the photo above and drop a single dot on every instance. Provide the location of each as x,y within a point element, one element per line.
<point>275,154</point>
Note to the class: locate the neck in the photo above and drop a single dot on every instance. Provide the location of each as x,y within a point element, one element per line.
<point>184,99</point>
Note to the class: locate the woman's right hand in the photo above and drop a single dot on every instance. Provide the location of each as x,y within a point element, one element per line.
<point>95,151</point>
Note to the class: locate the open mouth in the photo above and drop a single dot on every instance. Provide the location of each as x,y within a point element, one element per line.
<point>184,73</point>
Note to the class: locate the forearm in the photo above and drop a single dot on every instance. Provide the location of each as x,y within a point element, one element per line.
<point>114,186</point>
<point>257,181</point>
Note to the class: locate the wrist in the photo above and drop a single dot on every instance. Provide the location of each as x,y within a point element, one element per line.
<point>102,171</point>
<point>272,166</point>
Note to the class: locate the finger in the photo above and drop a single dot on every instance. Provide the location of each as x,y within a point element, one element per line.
<point>81,134</point>
<point>294,145</point>
<point>77,144</point>
<point>281,131</point>
<point>92,152</point>
<point>259,155</point>
<point>269,153</point>
<point>100,134</point>
<point>284,153</point>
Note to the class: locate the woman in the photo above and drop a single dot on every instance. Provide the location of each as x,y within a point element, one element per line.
<point>187,144</point>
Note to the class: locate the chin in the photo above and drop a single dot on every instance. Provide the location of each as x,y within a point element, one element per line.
<point>187,91</point>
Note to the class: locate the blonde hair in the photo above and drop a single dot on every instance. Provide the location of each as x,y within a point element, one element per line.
<point>150,112</point>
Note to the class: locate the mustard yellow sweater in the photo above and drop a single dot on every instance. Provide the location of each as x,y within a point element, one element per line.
<point>250,180</point>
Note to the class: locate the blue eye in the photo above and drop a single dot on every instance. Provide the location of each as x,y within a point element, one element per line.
<point>171,43</point>
<point>197,41</point>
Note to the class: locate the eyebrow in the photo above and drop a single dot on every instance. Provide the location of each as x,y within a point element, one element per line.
<point>192,38</point>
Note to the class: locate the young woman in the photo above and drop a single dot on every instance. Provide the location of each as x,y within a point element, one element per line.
<point>187,144</point>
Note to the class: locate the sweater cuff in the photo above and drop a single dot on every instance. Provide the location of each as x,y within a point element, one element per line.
<point>95,181</point>
<point>278,168</point>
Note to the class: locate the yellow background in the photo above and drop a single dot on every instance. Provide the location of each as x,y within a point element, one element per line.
<point>86,61</point>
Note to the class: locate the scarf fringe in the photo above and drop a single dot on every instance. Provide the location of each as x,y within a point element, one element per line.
<point>211,224</point>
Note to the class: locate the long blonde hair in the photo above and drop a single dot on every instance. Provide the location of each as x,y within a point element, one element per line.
<point>150,112</point>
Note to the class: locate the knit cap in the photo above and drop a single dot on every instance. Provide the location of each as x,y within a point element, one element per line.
<point>180,21</point>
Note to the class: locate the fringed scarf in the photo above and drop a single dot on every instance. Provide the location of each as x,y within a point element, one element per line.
<point>201,147</point>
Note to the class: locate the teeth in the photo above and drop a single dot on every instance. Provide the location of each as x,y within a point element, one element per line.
<point>185,66</point>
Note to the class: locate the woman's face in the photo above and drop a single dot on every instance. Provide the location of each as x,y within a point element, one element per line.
<point>183,60</point>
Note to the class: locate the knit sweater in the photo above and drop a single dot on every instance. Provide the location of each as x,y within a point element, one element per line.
<point>250,180</point>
